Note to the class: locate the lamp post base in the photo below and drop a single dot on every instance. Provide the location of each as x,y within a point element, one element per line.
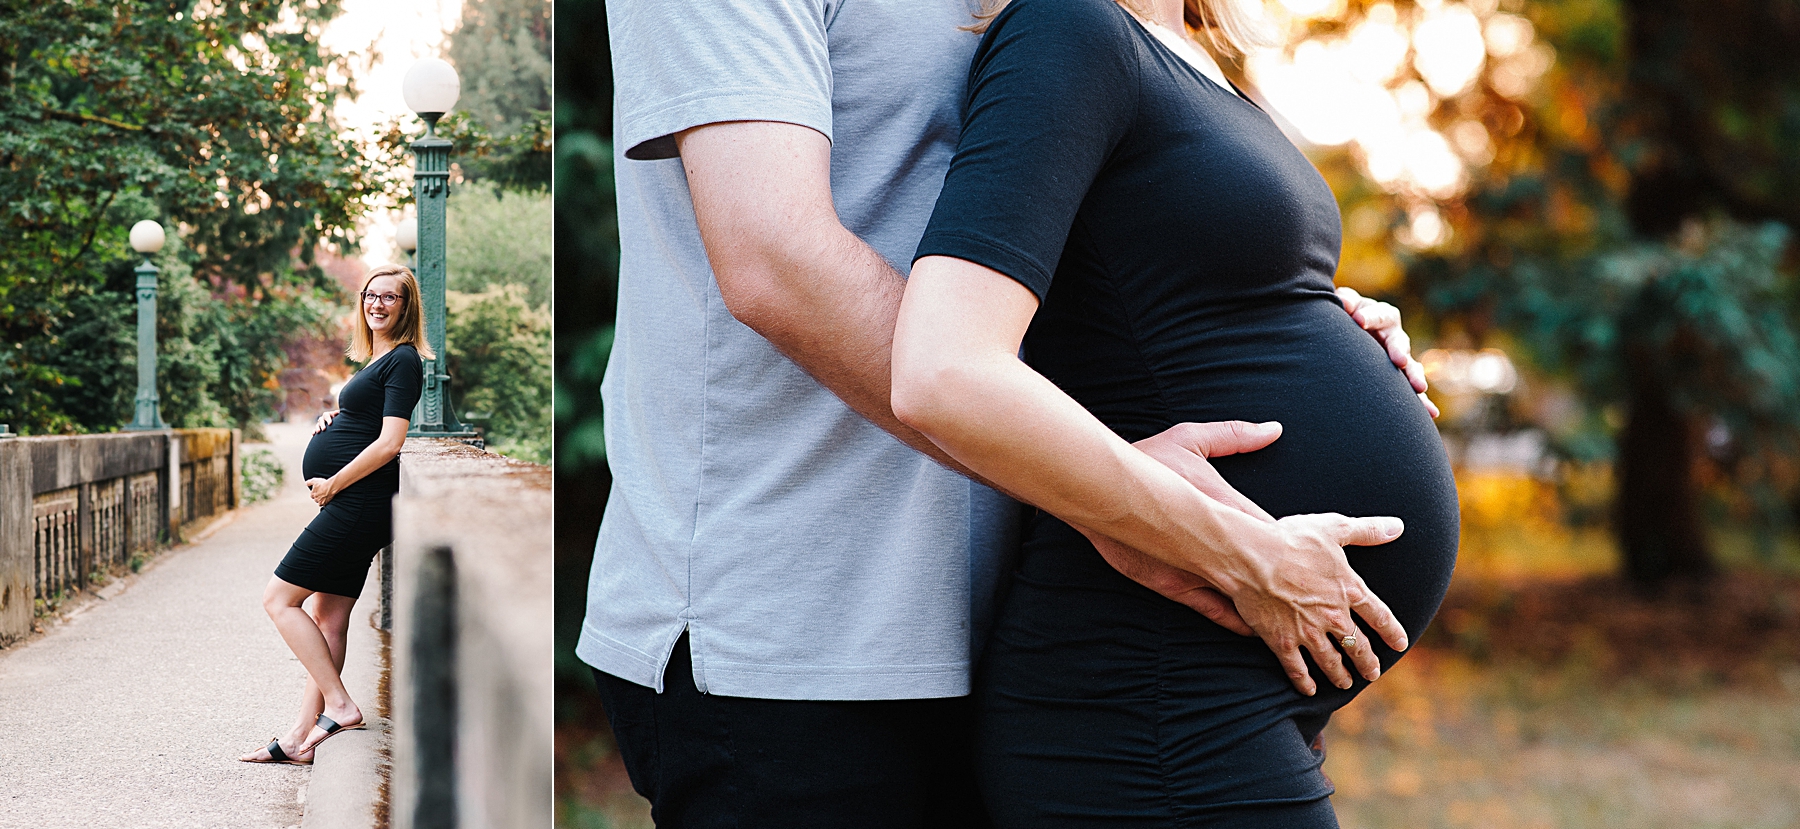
<point>148,415</point>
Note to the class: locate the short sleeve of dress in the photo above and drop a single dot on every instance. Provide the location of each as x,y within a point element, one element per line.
<point>403,383</point>
<point>1052,90</point>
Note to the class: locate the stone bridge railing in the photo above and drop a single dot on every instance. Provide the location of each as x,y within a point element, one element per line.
<point>71,506</point>
<point>471,621</point>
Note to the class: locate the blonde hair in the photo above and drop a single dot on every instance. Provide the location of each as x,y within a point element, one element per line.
<point>407,329</point>
<point>1231,27</point>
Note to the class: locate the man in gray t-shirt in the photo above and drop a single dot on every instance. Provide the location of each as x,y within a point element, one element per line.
<point>787,592</point>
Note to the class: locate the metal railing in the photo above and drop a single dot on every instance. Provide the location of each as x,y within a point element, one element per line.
<point>74,506</point>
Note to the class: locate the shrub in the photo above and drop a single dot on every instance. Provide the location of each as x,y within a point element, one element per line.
<point>260,476</point>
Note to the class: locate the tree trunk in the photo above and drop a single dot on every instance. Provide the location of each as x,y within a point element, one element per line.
<point>1657,508</point>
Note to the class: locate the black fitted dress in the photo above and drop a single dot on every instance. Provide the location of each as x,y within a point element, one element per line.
<point>1183,250</point>
<point>332,554</point>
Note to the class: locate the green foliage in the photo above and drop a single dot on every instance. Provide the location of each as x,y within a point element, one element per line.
<point>497,237</point>
<point>220,113</point>
<point>582,440</point>
<point>501,128</point>
<point>500,360</point>
<point>260,475</point>
<point>502,50</point>
<point>212,119</point>
<point>1704,316</point>
<point>1631,234</point>
<point>588,265</point>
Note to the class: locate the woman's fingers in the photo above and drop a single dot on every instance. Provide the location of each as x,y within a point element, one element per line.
<point>1376,614</point>
<point>1369,532</point>
<point>1365,532</point>
<point>1295,666</point>
<point>1330,660</point>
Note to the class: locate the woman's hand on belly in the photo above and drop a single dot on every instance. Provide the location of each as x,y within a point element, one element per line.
<point>323,489</point>
<point>324,421</point>
<point>1305,597</point>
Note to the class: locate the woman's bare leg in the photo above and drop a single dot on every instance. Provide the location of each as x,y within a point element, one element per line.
<point>303,636</point>
<point>331,613</point>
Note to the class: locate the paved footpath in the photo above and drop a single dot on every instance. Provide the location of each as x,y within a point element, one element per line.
<point>133,711</point>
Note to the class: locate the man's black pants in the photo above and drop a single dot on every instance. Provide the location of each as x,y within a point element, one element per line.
<point>706,761</point>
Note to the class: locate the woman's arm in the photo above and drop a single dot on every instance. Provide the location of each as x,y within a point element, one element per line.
<point>372,457</point>
<point>958,380</point>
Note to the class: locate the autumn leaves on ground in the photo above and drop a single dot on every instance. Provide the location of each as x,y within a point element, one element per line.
<point>1581,704</point>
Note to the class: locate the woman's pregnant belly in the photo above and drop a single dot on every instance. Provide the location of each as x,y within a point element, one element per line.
<point>331,450</point>
<point>1355,438</point>
<point>1098,696</point>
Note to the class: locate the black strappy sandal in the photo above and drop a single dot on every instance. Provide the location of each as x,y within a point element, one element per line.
<point>331,728</point>
<point>276,755</point>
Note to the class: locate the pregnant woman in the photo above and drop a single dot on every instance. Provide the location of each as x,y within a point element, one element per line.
<point>1161,253</point>
<point>352,467</point>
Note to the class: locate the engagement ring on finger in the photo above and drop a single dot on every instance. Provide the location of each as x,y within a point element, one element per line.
<point>1349,641</point>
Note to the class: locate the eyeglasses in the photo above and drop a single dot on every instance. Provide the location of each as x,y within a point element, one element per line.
<point>384,299</point>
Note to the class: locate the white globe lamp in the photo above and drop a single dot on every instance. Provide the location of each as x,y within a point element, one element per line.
<point>406,234</point>
<point>430,87</point>
<point>146,237</point>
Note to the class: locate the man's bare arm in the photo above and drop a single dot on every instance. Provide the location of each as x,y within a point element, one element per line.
<point>789,269</point>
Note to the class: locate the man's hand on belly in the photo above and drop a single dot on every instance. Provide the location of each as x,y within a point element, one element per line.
<point>1185,448</point>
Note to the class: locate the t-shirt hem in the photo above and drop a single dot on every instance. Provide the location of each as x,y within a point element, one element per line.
<point>630,664</point>
<point>791,682</point>
<point>988,253</point>
<point>641,132</point>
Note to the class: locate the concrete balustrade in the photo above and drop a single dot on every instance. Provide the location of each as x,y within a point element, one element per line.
<point>70,506</point>
<point>470,654</point>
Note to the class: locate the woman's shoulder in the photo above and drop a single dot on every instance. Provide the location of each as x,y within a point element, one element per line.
<point>1081,20</point>
<point>403,355</point>
<point>1060,36</point>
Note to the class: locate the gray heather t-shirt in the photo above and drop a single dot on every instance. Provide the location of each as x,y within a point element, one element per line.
<point>808,554</point>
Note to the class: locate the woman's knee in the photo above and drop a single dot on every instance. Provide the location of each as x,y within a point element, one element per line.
<point>280,596</point>
<point>332,615</point>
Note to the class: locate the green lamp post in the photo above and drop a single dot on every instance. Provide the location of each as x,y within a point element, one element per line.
<point>146,238</point>
<point>430,89</point>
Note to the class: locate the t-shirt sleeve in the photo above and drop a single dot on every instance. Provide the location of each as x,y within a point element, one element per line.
<point>679,64</point>
<point>1052,90</point>
<point>404,381</point>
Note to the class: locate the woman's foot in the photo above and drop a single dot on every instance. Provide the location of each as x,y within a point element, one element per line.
<point>347,718</point>
<point>279,752</point>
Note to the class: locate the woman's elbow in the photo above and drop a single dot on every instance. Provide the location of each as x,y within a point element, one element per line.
<point>922,395</point>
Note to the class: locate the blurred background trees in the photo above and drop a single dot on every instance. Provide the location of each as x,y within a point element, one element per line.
<point>1601,188</point>
<point>587,267</point>
<point>214,120</point>
<point>499,225</point>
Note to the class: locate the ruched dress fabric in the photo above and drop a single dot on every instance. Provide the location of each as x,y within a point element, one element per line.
<point>333,553</point>
<point>1184,252</point>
